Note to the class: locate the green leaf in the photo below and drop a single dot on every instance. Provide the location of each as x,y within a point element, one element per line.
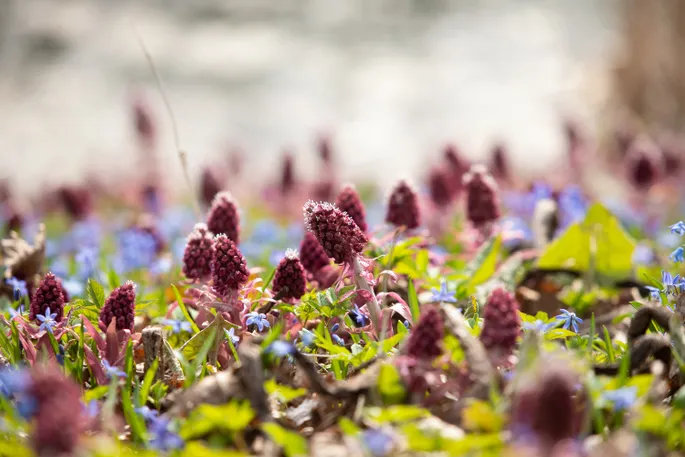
<point>348,427</point>
<point>293,444</point>
<point>390,385</point>
<point>479,416</point>
<point>231,417</point>
<point>396,414</point>
<point>285,394</point>
<point>134,420</point>
<point>558,333</point>
<point>79,306</point>
<point>598,242</point>
<point>484,264</point>
<point>184,310</point>
<point>95,393</point>
<point>147,382</point>
<point>196,448</point>
<point>96,293</point>
<point>413,301</point>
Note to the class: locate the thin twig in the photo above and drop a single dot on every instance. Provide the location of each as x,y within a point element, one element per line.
<point>182,155</point>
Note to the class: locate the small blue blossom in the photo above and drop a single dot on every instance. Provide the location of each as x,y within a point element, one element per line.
<point>257,319</point>
<point>74,287</point>
<point>678,228</point>
<point>14,381</point>
<point>147,413</point>
<point>280,348</point>
<point>87,261</point>
<point>678,255</point>
<point>643,255</point>
<point>379,443</point>
<point>654,292</point>
<point>163,438</point>
<point>92,409</point>
<point>406,323</point>
<point>307,337</point>
<point>18,287</point>
<point>569,319</point>
<point>265,231</point>
<point>537,326</point>
<point>443,295</point>
<point>672,284</point>
<point>112,371</point>
<point>161,266</point>
<point>177,326</point>
<point>337,340</point>
<point>137,249</point>
<point>230,334</point>
<point>47,321</point>
<point>335,327</point>
<point>276,256</point>
<point>622,398</point>
<point>359,318</point>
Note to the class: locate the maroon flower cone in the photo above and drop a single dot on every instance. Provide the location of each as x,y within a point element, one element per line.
<point>499,162</point>
<point>550,405</point>
<point>209,187</point>
<point>348,200</point>
<point>289,280</point>
<point>120,306</point>
<point>59,419</point>
<point>312,255</point>
<point>229,267</point>
<point>501,322</point>
<point>323,190</point>
<point>198,253</point>
<point>288,173</point>
<point>340,237</point>
<point>456,166</point>
<point>482,197</point>
<point>47,295</point>
<point>325,149</point>
<point>645,163</point>
<point>77,201</point>
<point>439,187</point>
<point>143,124</point>
<point>223,216</point>
<point>14,219</point>
<point>426,337</point>
<point>65,294</point>
<point>403,207</point>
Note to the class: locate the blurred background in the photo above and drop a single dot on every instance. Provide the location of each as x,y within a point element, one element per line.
<point>391,80</point>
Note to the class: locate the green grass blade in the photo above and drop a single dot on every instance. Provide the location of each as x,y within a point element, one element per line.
<point>184,310</point>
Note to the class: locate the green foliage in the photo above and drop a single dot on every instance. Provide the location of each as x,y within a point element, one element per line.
<point>230,418</point>
<point>293,444</point>
<point>390,385</point>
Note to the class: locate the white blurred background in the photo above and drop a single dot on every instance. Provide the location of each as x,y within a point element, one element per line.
<point>392,80</point>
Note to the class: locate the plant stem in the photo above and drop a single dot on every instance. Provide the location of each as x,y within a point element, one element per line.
<point>372,304</point>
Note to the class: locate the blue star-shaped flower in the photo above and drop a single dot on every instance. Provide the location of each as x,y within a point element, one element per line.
<point>177,326</point>
<point>537,326</point>
<point>230,334</point>
<point>14,381</point>
<point>672,284</point>
<point>280,348</point>
<point>622,398</point>
<point>678,228</point>
<point>443,295</point>
<point>337,339</point>
<point>307,337</point>
<point>654,292</point>
<point>47,320</point>
<point>569,319</point>
<point>163,438</point>
<point>678,255</point>
<point>147,413</point>
<point>257,319</point>
<point>379,443</point>
<point>111,371</point>
<point>18,287</point>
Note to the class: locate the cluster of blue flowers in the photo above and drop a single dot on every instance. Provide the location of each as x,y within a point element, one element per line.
<point>671,284</point>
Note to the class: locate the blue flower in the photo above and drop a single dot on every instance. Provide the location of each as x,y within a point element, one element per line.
<point>280,348</point>
<point>161,266</point>
<point>337,340</point>
<point>643,255</point>
<point>257,319</point>
<point>379,443</point>
<point>678,228</point>
<point>335,327</point>
<point>230,334</point>
<point>406,323</point>
<point>14,381</point>
<point>537,326</point>
<point>265,231</point>
<point>678,255</point>
<point>85,233</point>
<point>112,371</point>
<point>654,292</point>
<point>87,261</point>
<point>47,320</point>
<point>359,318</point>
<point>163,438</point>
<point>74,287</point>
<point>18,287</point>
<point>276,256</point>
<point>177,326</point>
<point>672,284</point>
<point>137,249</point>
<point>147,413</point>
<point>307,337</point>
<point>569,319</point>
<point>443,295</point>
<point>92,409</point>
<point>622,398</point>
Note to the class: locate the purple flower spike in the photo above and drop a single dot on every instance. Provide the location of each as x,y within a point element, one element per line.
<point>348,200</point>
<point>645,163</point>
<point>403,207</point>
<point>229,267</point>
<point>289,279</point>
<point>482,197</point>
<point>198,253</point>
<point>47,295</point>
<point>223,216</point>
<point>121,306</point>
<point>501,322</point>
<point>439,187</point>
<point>337,233</point>
<point>312,255</point>
<point>426,337</point>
